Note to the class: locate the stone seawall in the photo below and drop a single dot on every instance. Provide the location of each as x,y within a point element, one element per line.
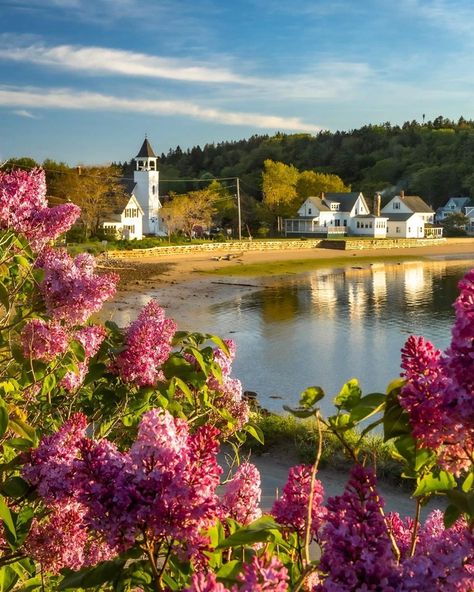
<point>386,243</point>
<point>277,245</point>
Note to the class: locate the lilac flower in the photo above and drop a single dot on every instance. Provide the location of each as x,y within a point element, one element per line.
<point>147,347</point>
<point>242,495</point>
<point>44,340</point>
<point>356,548</point>
<point>205,582</point>
<point>291,509</point>
<point>71,289</point>
<point>24,208</point>
<point>263,574</point>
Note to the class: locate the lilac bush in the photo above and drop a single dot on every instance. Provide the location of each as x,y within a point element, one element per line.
<point>110,440</point>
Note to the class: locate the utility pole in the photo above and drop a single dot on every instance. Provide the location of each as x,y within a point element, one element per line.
<point>238,209</point>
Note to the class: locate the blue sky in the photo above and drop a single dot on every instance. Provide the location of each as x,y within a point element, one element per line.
<point>83,80</point>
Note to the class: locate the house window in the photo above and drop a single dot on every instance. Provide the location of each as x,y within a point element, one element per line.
<point>397,229</point>
<point>337,222</point>
<point>370,225</point>
<point>409,229</point>
<point>309,211</point>
<point>345,222</point>
<point>153,189</point>
<point>396,205</point>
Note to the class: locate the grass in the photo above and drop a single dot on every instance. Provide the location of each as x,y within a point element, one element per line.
<point>295,266</point>
<point>289,435</point>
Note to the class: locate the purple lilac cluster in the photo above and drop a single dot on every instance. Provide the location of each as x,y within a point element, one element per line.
<point>44,340</point>
<point>229,390</point>
<point>164,487</point>
<point>24,208</point>
<point>262,574</point>
<point>291,509</point>
<point>147,347</point>
<point>357,553</point>
<point>242,495</point>
<point>439,392</point>
<point>71,289</point>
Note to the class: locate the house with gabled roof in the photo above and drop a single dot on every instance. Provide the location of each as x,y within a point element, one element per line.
<point>333,214</point>
<point>126,221</point>
<point>407,216</point>
<point>454,205</point>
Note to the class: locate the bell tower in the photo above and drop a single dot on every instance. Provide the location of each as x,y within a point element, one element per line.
<point>146,177</point>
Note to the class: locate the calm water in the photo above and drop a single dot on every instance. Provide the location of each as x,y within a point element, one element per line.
<point>327,326</point>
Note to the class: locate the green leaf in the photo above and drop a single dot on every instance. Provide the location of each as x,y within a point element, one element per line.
<point>24,430</point>
<point>230,570</point>
<point>430,483</point>
<point>463,501</point>
<point>48,383</point>
<point>256,432</point>
<point>78,349</point>
<point>265,528</point>
<point>3,420</point>
<point>15,487</point>
<point>23,444</point>
<point>310,396</point>
<point>108,571</point>
<point>395,419</point>
<point>395,385</point>
<point>4,297</point>
<point>468,483</point>
<point>451,514</point>
<point>349,396</point>
<point>6,517</point>
<point>367,406</point>
<point>22,261</point>
<point>219,342</point>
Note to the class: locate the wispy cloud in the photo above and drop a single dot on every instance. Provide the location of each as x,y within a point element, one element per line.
<point>102,60</point>
<point>455,16</point>
<point>25,113</point>
<point>88,101</point>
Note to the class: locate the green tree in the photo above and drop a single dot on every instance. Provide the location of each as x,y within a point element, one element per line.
<point>312,183</point>
<point>454,224</point>
<point>279,187</point>
<point>186,212</point>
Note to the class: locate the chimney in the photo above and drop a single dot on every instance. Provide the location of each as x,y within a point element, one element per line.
<point>321,195</point>
<point>377,203</point>
<point>402,194</point>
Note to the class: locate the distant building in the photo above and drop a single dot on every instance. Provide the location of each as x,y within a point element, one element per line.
<point>407,217</point>
<point>454,205</point>
<point>138,215</point>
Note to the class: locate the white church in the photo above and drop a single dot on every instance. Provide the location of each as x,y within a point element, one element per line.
<point>138,213</point>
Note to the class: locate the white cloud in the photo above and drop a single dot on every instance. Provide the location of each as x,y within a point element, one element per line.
<point>25,113</point>
<point>455,16</point>
<point>100,60</point>
<point>87,101</point>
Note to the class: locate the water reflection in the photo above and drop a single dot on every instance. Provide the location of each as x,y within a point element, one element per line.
<point>328,326</point>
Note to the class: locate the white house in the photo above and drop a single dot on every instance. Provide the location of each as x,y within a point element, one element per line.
<point>127,220</point>
<point>337,214</point>
<point>407,216</point>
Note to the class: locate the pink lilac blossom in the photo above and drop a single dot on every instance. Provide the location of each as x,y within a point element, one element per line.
<point>205,582</point>
<point>24,208</point>
<point>263,574</point>
<point>438,394</point>
<point>291,509</point>
<point>444,558</point>
<point>242,495</point>
<point>42,340</point>
<point>61,540</point>
<point>164,486</point>
<point>147,347</point>
<point>50,466</point>
<point>71,289</point>
<point>90,338</point>
<point>357,554</point>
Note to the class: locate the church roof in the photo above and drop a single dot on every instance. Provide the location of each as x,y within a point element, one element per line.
<point>146,151</point>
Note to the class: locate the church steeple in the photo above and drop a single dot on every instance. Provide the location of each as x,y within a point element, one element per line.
<point>146,159</point>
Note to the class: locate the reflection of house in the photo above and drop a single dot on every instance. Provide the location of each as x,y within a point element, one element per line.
<point>407,216</point>
<point>126,221</point>
<point>336,214</point>
<point>139,215</point>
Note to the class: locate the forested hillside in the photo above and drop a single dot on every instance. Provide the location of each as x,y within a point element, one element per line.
<point>434,159</point>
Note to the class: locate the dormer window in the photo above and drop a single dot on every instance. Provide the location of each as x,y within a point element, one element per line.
<point>334,206</point>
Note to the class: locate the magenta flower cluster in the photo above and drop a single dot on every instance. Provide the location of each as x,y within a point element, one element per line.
<point>147,347</point>
<point>241,499</point>
<point>24,208</point>
<point>43,340</point>
<point>291,509</point>
<point>163,488</point>
<point>438,394</point>
<point>71,289</point>
<point>262,574</point>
